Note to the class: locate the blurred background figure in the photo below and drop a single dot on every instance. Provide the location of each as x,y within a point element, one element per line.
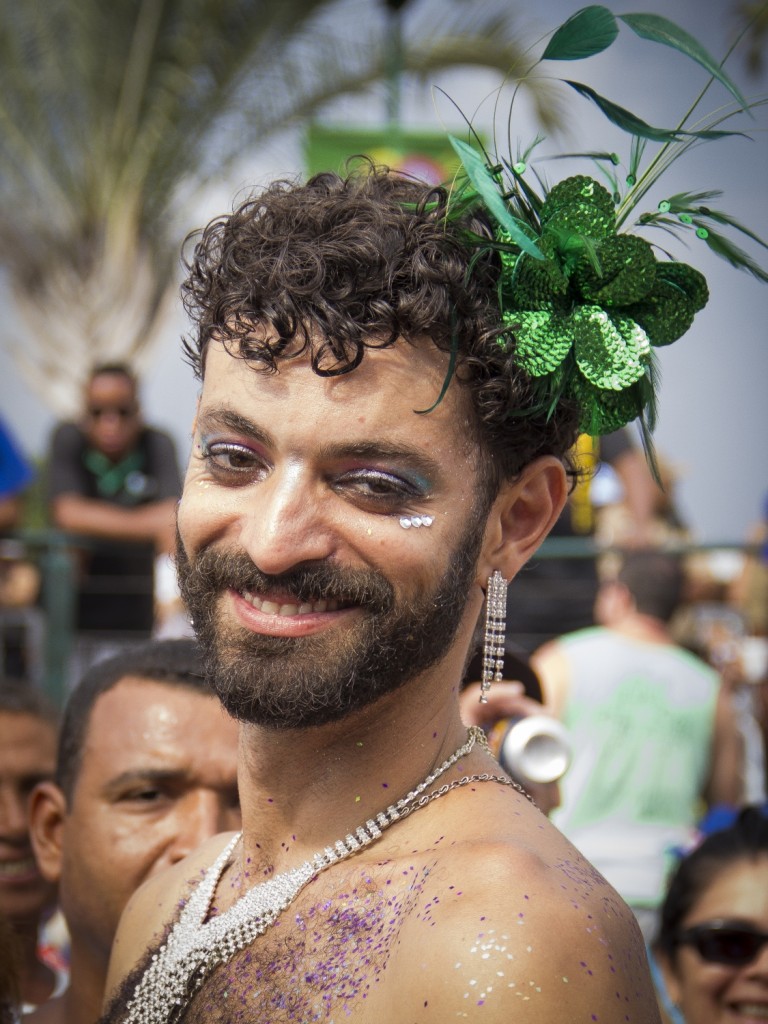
<point>712,943</point>
<point>15,475</point>
<point>631,510</point>
<point>553,595</point>
<point>20,627</point>
<point>27,756</point>
<point>10,1007</point>
<point>654,733</point>
<point>116,481</point>
<point>146,771</point>
<point>749,591</point>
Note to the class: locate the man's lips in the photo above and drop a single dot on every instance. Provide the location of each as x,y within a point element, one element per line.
<point>280,615</point>
<point>750,1011</point>
<point>18,870</point>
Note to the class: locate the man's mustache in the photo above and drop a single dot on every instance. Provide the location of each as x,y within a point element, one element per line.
<point>213,571</point>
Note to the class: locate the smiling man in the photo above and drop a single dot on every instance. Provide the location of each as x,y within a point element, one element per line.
<point>27,757</point>
<point>339,533</point>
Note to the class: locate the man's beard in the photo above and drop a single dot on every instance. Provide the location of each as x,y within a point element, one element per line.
<point>296,682</point>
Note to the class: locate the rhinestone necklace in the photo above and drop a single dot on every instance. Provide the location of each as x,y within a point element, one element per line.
<point>195,946</point>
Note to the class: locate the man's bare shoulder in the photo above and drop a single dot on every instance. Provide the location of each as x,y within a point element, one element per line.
<point>521,926</point>
<point>154,905</point>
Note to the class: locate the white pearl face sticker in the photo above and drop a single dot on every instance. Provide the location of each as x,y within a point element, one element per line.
<point>408,521</point>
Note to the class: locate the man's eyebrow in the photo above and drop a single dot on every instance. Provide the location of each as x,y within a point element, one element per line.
<point>210,419</point>
<point>392,451</point>
<point>142,776</point>
<point>32,778</point>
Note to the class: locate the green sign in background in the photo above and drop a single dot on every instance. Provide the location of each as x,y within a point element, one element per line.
<point>428,156</point>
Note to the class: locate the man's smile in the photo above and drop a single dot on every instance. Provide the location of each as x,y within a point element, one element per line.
<point>19,869</point>
<point>288,607</point>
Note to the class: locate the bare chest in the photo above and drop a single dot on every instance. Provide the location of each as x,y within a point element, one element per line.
<point>332,956</point>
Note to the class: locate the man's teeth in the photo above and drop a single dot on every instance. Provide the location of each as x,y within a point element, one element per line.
<point>17,868</point>
<point>758,1011</point>
<point>274,608</point>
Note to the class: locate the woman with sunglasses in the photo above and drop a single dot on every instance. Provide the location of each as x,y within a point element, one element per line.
<point>712,946</point>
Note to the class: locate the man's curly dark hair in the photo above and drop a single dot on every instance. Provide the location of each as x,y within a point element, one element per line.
<point>342,264</point>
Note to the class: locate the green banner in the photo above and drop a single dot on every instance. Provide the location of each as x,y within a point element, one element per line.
<point>425,155</point>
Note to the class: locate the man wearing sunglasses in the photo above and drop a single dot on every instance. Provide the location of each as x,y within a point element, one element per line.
<point>116,481</point>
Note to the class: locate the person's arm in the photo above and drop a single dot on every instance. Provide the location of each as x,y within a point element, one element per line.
<point>96,518</point>
<point>163,464</point>
<point>551,666</point>
<point>725,784</point>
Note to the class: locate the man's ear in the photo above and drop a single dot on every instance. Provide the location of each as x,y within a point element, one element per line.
<point>524,512</point>
<point>47,811</point>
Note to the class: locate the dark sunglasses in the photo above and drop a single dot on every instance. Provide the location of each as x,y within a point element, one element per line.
<point>125,412</point>
<point>724,942</point>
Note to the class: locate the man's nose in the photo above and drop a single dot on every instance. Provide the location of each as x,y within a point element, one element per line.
<point>14,823</point>
<point>758,968</point>
<point>287,523</point>
<point>202,814</point>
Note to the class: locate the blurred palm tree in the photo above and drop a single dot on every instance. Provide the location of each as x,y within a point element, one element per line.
<point>752,15</point>
<point>114,116</point>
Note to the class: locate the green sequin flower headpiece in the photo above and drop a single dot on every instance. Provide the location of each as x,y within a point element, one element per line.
<point>585,300</point>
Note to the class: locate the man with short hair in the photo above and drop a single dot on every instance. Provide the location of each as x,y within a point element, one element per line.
<point>27,756</point>
<point>115,479</point>
<point>654,734</point>
<point>360,479</point>
<point>146,772</point>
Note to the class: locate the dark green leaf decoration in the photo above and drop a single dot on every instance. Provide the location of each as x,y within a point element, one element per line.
<point>660,30</point>
<point>488,189</point>
<point>635,125</point>
<point>589,31</point>
<point>734,255</point>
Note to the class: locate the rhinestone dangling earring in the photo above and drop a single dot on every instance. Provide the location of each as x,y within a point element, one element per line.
<point>495,632</point>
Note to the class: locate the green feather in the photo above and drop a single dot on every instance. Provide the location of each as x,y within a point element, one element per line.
<point>724,218</point>
<point>454,353</point>
<point>589,31</point>
<point>688,202</point>
<point>636,155</point>
<point>488,189</point>
<point>660,30</point>
<point>734,255</point>
<point>636,126</point>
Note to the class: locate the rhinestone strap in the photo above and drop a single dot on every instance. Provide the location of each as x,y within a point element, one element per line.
<point>196,945</point>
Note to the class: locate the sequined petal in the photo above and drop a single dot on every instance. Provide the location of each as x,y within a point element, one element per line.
<point>626,273</point>
<point>542,339</point>
<point>607,357</point>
